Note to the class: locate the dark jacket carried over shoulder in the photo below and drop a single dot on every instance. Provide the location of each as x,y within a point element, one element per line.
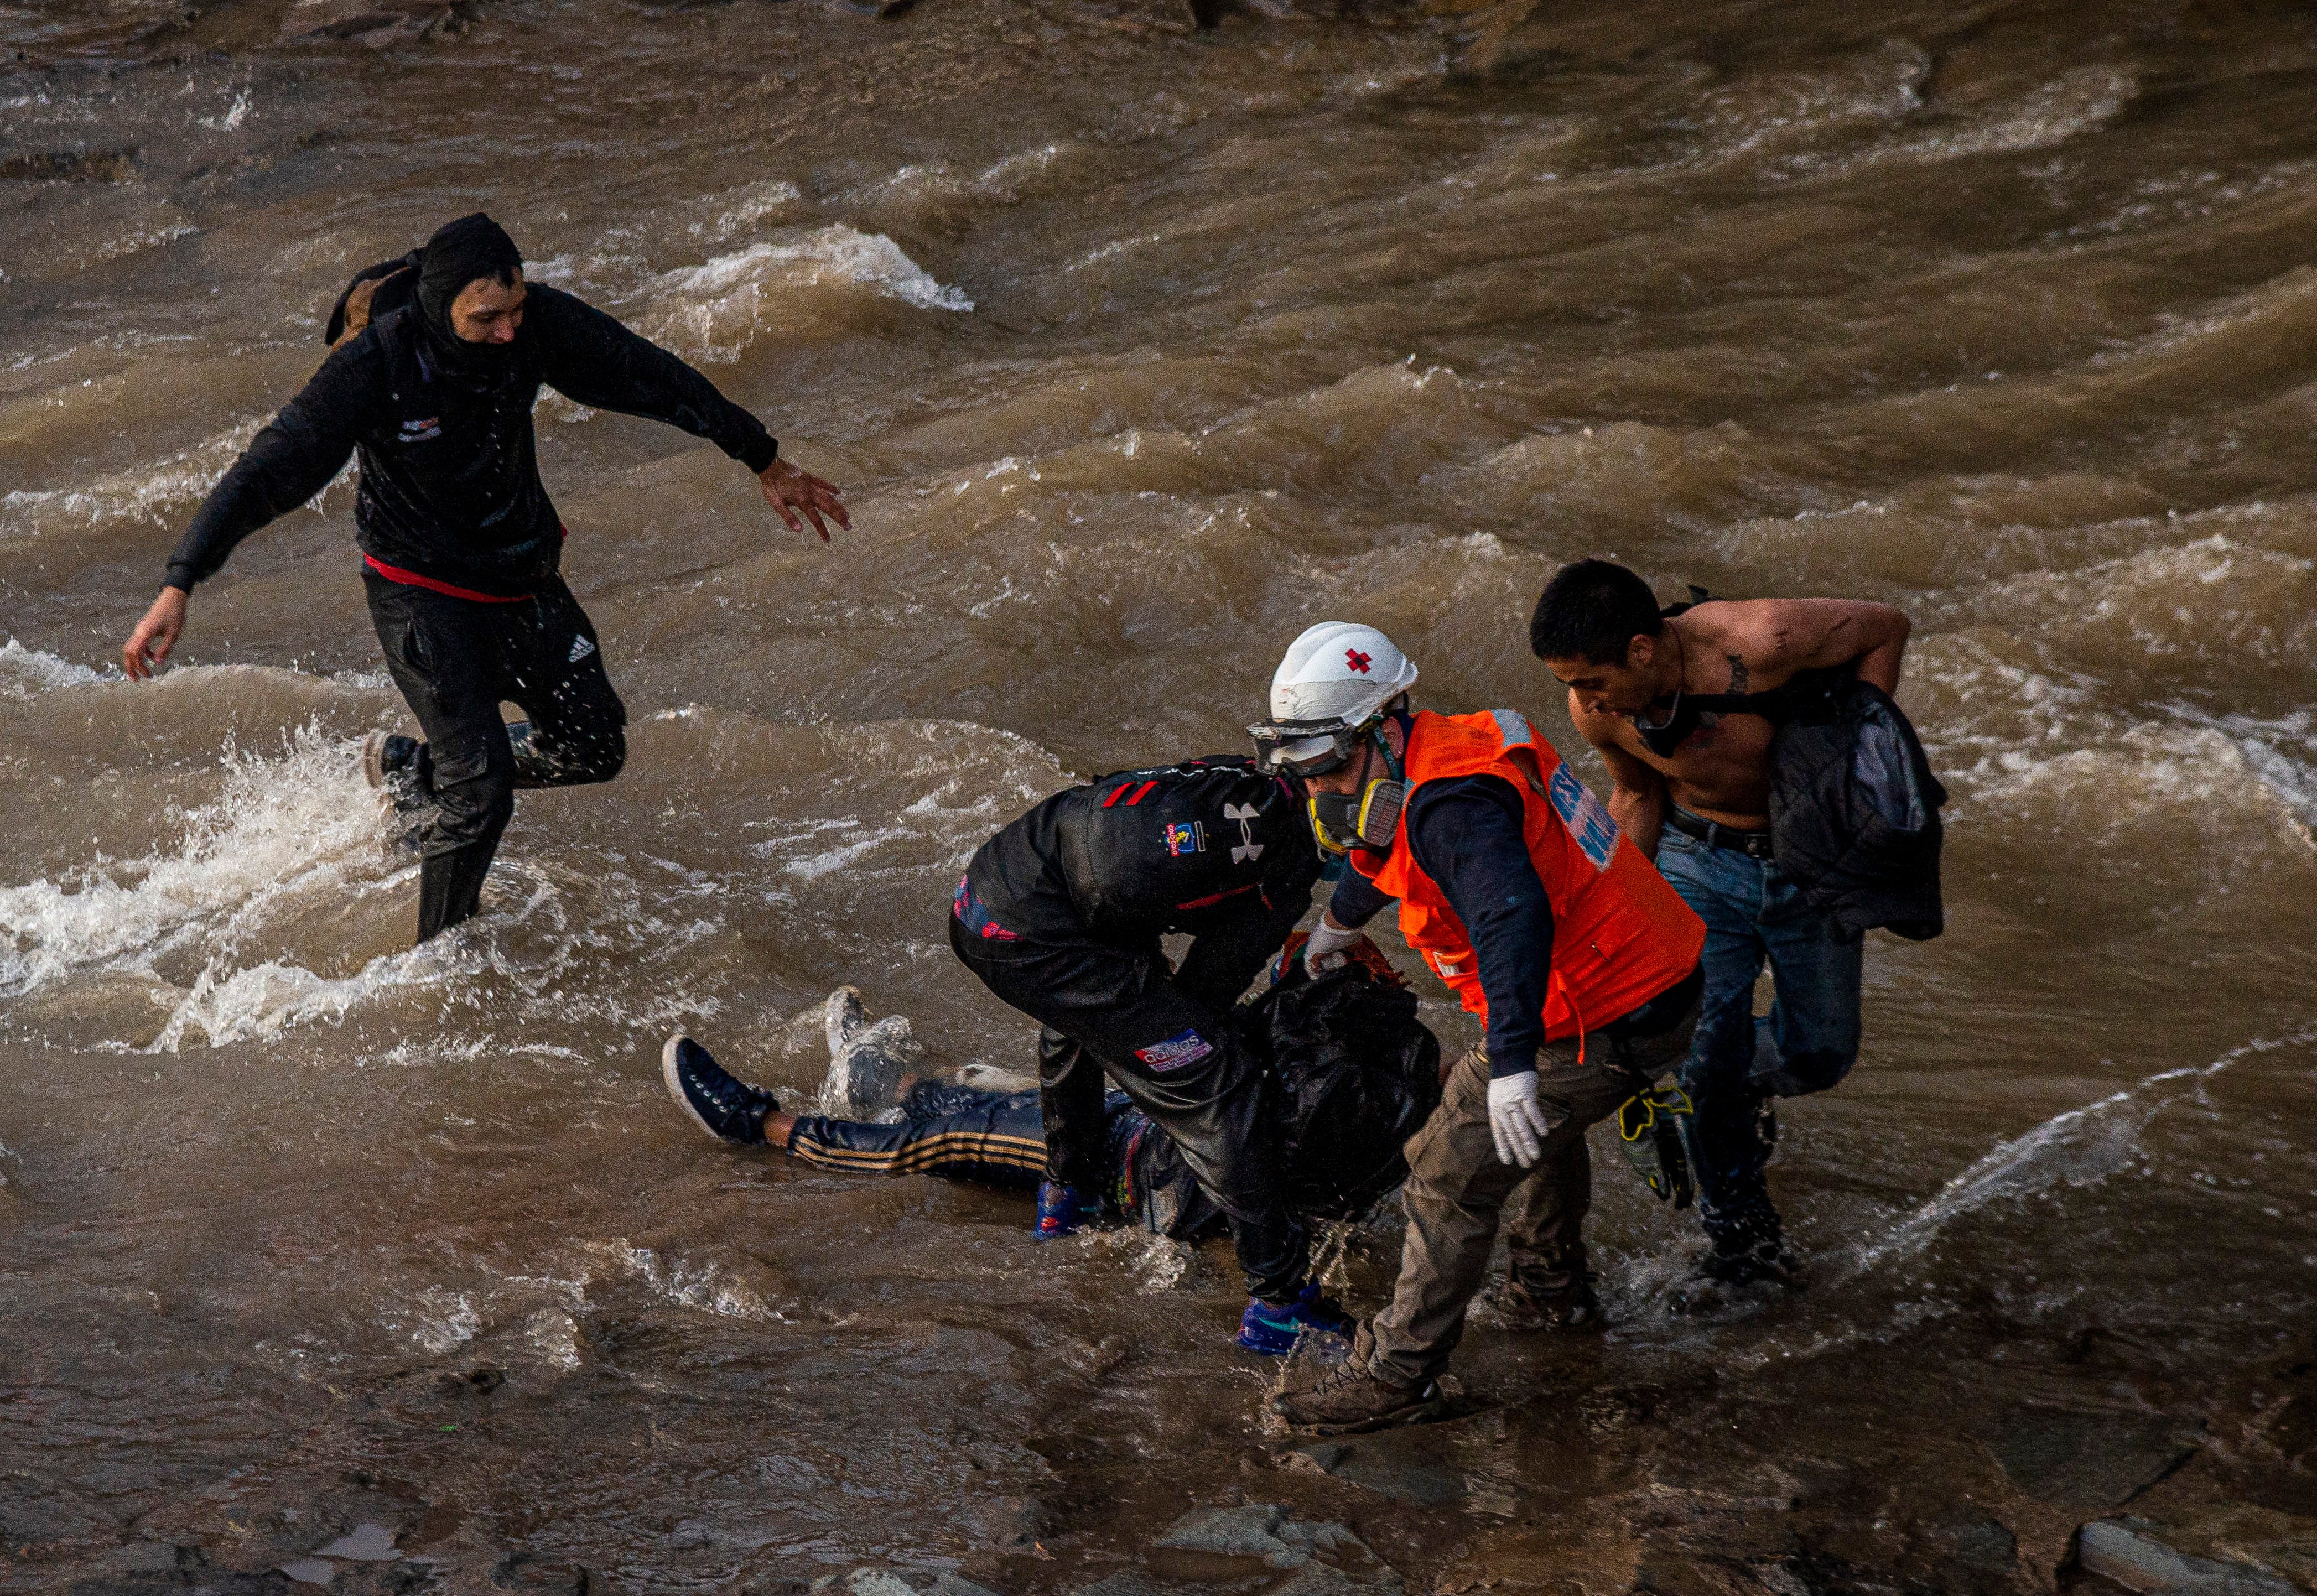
<point>450,481</point>
<point>1855,811</point>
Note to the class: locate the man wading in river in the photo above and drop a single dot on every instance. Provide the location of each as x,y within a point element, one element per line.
<point>460,544</point>
<point>1683,705</point>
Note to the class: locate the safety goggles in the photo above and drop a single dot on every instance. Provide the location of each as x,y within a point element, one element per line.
<point>1306,747</point>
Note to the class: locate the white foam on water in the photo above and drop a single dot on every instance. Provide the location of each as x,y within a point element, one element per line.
<point>2282,752</point>
<point>26,672</point>
<point>1764,109</point>
<point>713,311</point>
<point>705,1288</point>
<point>445,1320</point>
<point>280,827</point>
<point>817,865</point>
<point>230,119</point>
<point>554,1335</point>
<point>752,203</point>
<point>261,1001</point>
<point>140,493</point>
<point>2073,103</point>
<point>2182,776</point>
<point>2081,1148</point>
<point>930,183</point>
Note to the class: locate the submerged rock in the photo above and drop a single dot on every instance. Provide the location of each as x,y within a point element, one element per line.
<point>2122,1550</point>
<point>1258,1530</point>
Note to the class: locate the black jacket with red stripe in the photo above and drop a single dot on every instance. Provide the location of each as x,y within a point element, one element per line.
<point>449,485</point>
<point>1208,846</point>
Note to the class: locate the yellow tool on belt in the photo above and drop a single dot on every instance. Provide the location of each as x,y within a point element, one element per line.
<point>1650,1127</point>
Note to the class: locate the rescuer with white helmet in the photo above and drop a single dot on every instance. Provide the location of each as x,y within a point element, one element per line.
<point>1518,891</point>
<point>1060,915</point>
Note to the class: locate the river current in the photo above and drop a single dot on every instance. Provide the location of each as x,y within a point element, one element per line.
<point>1135,353</point>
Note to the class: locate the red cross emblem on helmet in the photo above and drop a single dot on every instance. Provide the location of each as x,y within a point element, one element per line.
<point>1357,660</point>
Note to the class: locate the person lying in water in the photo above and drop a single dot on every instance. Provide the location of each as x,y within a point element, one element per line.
<point>1353,1070</point>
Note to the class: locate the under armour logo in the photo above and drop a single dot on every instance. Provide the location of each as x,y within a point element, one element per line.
<point>1357,660</point>
<point>580,649</point>
<point>1248,848</point>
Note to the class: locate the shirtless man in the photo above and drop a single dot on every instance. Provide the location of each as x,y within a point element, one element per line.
<point>1681,704</point>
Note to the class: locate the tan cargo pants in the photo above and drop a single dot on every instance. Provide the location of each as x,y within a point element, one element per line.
<point>1457,1190</point>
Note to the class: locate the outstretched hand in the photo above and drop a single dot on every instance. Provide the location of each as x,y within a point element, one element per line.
<point>800,496</point>
<point>156,634</point>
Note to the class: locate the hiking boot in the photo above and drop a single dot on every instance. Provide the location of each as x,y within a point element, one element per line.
<point>1062,1210</point>
<point>1272,1330</point>
<point>1573,1308</point>
<point>1747,1263</point>
<point>1350,1400</point>
<point>726,1108</point>
<point>396,766</point>
<point>1750,1254</point>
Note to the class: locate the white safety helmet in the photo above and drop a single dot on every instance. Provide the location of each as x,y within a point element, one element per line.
<point>1335,681</point>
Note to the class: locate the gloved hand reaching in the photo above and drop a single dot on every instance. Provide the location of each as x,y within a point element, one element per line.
<point>1325,951</point>
<point>1515,1119</point>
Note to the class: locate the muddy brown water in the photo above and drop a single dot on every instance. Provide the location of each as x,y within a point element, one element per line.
<point>1135,354</point>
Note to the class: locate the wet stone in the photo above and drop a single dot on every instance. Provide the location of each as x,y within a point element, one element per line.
<point>1134,1581</point>
<point>2123,1551</point>
<point>1251,1531</point>
<point>1985,1545</point>
<point>1403,1467</point>
<point>1319,1579</point>
<point>1004,1521</point>
<point>144,1557</point>
<point>365,1543</point>
<point>886,1581</point>
<point>2089,1460</point>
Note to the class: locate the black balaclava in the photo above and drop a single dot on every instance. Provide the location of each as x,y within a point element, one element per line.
<point>460,251</point>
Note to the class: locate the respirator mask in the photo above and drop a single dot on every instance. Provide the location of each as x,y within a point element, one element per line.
<point>1369,818</point>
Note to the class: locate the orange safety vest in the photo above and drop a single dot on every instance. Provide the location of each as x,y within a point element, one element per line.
<point>1621,935</point>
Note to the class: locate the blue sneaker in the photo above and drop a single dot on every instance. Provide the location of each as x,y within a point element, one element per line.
<point>726,1108</point>
<point>1272,1331</point>
<point>1062,1210</point>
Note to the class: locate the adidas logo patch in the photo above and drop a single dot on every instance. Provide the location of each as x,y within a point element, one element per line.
<point>580,649</point>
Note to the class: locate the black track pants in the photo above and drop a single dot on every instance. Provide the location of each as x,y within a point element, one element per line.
<point>1119,1010</point>
<point>455,660</point>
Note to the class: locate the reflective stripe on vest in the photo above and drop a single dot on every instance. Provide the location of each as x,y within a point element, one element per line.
<point>1621,934</point>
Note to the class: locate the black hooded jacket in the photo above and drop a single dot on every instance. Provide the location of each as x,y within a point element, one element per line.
<point>449,486</point>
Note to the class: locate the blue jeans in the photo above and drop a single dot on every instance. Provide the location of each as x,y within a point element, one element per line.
<point>1806,1043</point>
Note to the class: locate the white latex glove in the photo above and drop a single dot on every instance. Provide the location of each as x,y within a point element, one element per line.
<point>1515,1119</point>
<point>1325,951</point>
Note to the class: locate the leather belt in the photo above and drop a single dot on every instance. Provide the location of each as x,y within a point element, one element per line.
<point>1753,844</point>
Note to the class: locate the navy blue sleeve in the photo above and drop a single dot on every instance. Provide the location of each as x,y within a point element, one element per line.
<point>1357,901</point>
<point>1467,834</point>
